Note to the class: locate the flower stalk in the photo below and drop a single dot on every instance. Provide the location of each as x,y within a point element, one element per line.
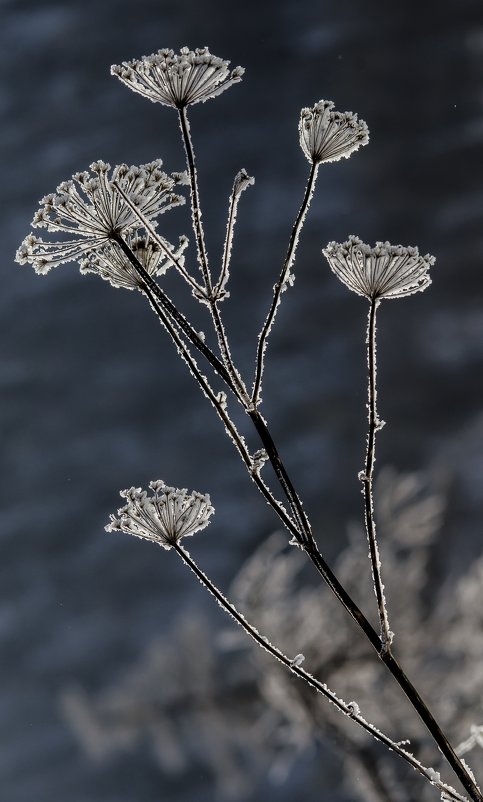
<point>367,475</point>
<point>286,278</point>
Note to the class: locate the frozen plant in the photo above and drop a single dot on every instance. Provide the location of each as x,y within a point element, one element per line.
<point>251,712</point>
<point>113,225</point>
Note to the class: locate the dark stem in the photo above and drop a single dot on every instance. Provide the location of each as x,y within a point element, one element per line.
<point>304,537</point>
<point>348,709</point>
<point>195,198</point>
<point>282,283</point>
<point>367,475</point>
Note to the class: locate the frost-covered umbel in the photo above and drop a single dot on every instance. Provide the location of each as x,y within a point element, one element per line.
<point>327,135</point>
<point>165,517</point>
<point>112,264</point>
<point>91,211</point>
<point>193,76</point>
<point>385,271</point>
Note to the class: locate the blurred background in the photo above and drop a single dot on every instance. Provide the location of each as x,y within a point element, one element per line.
<point>93,398</point>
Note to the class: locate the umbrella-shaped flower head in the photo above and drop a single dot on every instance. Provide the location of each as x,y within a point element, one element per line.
<point>113,265</point>
<point>178,80</point>
<point>327,135</point>
<point>385,271</point>
<point>164,517</point>
<point>90,211</point>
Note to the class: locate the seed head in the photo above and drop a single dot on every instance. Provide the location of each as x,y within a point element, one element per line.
<point>92,213</point>
<point>385,271</point>
<point>327,135</point>
<point>165,517</point>
<point>193,76</point>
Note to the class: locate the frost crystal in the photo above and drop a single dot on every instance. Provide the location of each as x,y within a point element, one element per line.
<point>111,264</point>
<point>385,271</point>
<point>91,211</point>
<point>327,135</point>
<point>165,517</point>
<point>193,76</point>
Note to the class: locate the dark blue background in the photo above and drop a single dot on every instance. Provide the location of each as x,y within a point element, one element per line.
<point>93,398</point>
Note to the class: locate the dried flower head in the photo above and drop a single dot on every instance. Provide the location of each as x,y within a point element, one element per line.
<point>327,136</point>
<point>165,517</point>
<point>193,76</point>
<point>91,211</point>
<point>385,271</point>
<point>112,265</point>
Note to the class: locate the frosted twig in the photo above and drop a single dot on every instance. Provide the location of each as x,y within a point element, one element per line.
<point>350,709</point>
<point>285,278</point>
<point>195,199</point>
<point>304,537</point>
<point>241,182</point>
<point>367,476</point>
<point>238,384</point>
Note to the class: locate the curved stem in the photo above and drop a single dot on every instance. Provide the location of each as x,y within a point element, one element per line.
<point>348,708</point>
<point>281,284</point>
<point>366,476</point>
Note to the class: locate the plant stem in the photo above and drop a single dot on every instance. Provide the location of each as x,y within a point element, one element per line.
<point>165,315</point>
<point>301,530</point>
<point>238,385</point>
<point>348,708</point>
<point>174,313</point>
<point>282,283</point>
<point>367,476</point>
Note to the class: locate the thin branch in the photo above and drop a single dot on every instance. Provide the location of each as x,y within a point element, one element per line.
<point>242,181</point>
<point>195,199</point>
<point>302,536</point>
<point>284,279</point>
<point>366,476</point>
<point>237,382</point>
<point>349,709</point>
<point>308,543</point>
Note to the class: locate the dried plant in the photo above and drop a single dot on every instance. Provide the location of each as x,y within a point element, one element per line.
<point>246,707</point>
<point>113,227</point>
